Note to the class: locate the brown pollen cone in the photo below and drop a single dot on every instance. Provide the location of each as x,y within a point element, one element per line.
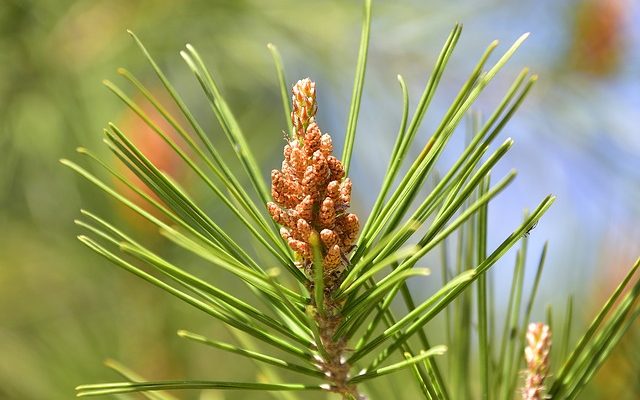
<point>310,200</point>
<point>310,193</point>
<point>537,356</point>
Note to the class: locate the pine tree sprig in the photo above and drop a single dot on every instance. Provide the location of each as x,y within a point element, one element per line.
<point>334,295</point>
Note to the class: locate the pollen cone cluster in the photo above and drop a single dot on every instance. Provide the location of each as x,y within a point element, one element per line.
<point>311,194</point>
<point>537,356</point>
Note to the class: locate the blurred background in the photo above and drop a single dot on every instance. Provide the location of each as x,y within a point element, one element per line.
<point>63,309</point>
